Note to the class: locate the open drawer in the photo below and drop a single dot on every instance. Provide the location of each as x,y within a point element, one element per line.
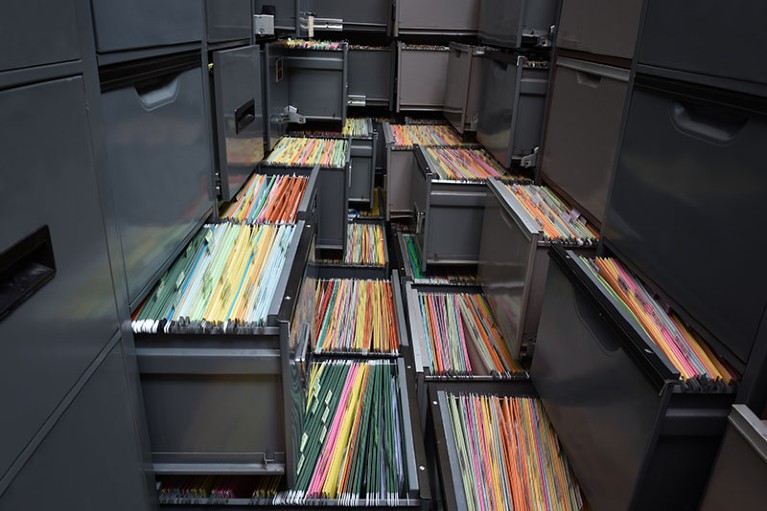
<point>463,87</point>
<point>740,471</point>
<point>513,261</point>
<point>253,204</point>
<point>512,106</point>
<point>332,197</point>
<point>409,261</point>
<point>456,479</point>
<point>304,83</point>
<point>401,140</point>
<point>464,345</point>
<point>219,397</point>
<point>448,212</point>
<point>421,76</point>
<point>371,75</point>
<point>366,255</point>
<point>628,422</point>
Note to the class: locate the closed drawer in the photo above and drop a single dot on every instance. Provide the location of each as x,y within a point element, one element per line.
<point>737,481</point>
<point>284,13</point>
<point>580,30</point>
<point>159,168</point>
<point>437,16</point>
<point>227,20</point>
<point>97,432</point>
<point>38,32</point>
<point>669,173</point>
<point>145,23</point>
<point>49,183</point>
<point>513,23</point>
<point>705,39</point>
<point>583,131</point>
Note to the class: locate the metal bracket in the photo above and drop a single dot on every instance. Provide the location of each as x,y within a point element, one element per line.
<point>308,23</point>
<point>263,25</point>
<point>290,114</point>
<point>529,161</point>
<point>357,100</point>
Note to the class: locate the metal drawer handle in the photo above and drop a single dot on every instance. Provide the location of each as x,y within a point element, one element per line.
<point>157,93</point>
<point>25,268</point>
<point>588,79</point>
<point>709,123</point>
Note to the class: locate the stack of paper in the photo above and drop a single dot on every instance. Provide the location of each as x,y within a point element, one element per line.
<point>268,199</point>
<point>410,135</point>
<point>352,448</point>
<point>356,127</point>
<point>308,152</point>
<point>356,316</point>
<point>224,281</point>
<point>364,246</point>
<point>557,220</point>
<point>509,455</point>
<point>212,489</point>
<point>464,164</point>
<point>696,363</point>
<point>462,337</point>
<point>310,44</point>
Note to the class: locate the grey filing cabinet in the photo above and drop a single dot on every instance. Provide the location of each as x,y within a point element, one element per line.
<point>238,112</point>
<point>512,24</point>
<point>58,309</point>
<point>312,83</point>
<point>737,481</point>
<point>583,131</point>
<point>227,20</point>
<point>421,76</point>
<point>704,44</point>
<point>636,435</point>
<point>135,24</point>
<point>159,160</point>
<point>579,29</point>
<point>284,13</point>
<point>511,109</point>
<point>90,459</point>
<point>690,161</point>
<point>513,262</point>
<point>221,403</point>
<point>463,86</point>
<point>37,40</point>
<point>367,16</point>
<point>371,76</point>
<point>446,17</point>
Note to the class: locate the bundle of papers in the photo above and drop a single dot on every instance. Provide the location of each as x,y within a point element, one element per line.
<point>224,281</point>
<point>462,337</point>
<point>464,164</point>
<point>355,316</point>
<point>268,199</point>
<point>410,135</point>
<point>509,455</point>
<point>308,152</point>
